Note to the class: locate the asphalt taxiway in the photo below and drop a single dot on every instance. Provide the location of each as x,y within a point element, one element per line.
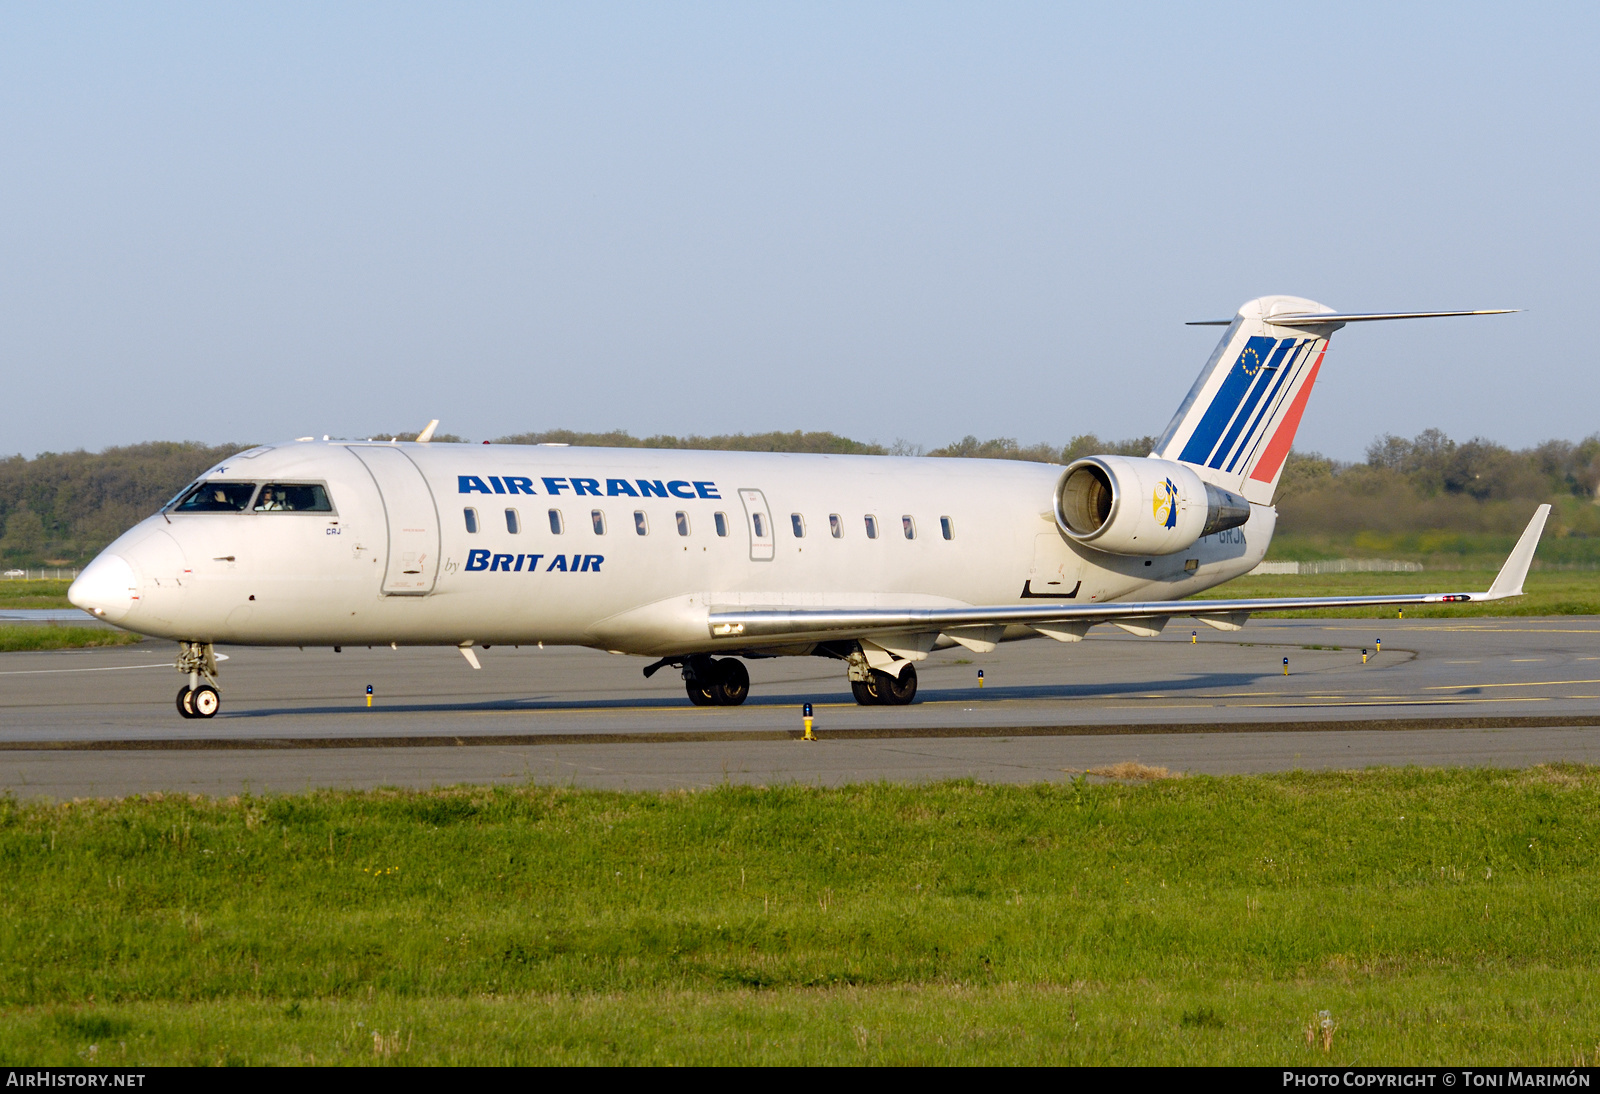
<point>1502,692</point>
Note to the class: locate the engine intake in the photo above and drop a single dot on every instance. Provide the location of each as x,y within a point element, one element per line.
<point>1140,506</point>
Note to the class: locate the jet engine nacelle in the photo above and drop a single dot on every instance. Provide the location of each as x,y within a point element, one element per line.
<point>1129,505</point>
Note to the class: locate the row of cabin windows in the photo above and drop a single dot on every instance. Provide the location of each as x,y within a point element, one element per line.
<point>641,524</point>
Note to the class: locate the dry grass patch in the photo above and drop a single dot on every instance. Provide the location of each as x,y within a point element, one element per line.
<point>1133,771</point>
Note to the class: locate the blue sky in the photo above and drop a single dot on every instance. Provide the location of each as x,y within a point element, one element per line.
<point>892,221</point>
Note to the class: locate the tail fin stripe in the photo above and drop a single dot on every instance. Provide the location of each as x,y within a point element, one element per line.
<point>1265,382</point>
<point>1259,432</point>
<point>1203,441</point>
<point>1278,450</point>
<point>1270,405</point>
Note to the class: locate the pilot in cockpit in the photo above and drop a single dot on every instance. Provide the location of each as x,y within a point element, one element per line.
<point>269,500</point>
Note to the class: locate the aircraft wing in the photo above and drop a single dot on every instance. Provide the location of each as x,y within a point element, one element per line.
<point>1070,621</point>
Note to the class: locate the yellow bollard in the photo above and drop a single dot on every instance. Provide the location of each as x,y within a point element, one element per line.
<point>1379,644</point>
<point>1286,666</point>
<point>980,678</point>
<point>809,735</point>
<point>1400,614</point>
<point>1363,657</point>
<point>1194,638</point>
<point>369,696</point>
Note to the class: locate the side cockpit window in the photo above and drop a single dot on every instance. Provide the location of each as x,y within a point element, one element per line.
<point>279,497</point>
<point>217,497</point>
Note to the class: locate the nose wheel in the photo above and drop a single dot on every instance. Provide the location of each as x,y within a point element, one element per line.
<point>201,702</point>
<point>197,700</point>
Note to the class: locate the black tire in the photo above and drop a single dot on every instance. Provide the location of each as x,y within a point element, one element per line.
<point>205,701</point>
<point>733,682</point>
<point>865,693</point>
<point>896,691</point>
<point>699,694</point>
<point>183,702</point>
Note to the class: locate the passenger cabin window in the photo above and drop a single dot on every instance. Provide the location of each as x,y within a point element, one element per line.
<point>872,526</point>
<point>641,525</point>
<point>721,521</point>
<point>217,497</point>
<point>947,528</point>
<point>835,525</point>
<point>758,520</point>
<point>471,517</point>
<point>556,526</point>
<point>909,526</point>
<point>599,520</point>
<point>798,523</point>
<point>513,522</point>
<point>683,523</point>
<point>278,497</point>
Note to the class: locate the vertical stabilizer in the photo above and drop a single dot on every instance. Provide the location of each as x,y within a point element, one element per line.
<point>1239,420</point>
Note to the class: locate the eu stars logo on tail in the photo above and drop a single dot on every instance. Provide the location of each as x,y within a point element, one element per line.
<point>1165,505</point>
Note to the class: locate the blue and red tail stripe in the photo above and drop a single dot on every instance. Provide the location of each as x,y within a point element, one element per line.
<point>1265,382</point>
<point>1282,384</point>
<point>1277,450</point>
<point>1236,385</point>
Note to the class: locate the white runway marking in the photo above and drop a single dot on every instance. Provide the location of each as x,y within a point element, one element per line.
<point>100,668</point>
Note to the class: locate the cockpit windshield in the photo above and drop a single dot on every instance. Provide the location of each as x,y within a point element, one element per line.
<point>217,497</point>
<point>277,497</point>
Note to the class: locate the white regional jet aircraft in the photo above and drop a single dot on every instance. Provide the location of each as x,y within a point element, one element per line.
<point>699,559</point>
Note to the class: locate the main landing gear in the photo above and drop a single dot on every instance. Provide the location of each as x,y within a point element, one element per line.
<point>710,681</point>
<point>874,687</point>
<point>197,700</point>
<point>724,681</point>
<point>885,689</point>
<point>716,682</point>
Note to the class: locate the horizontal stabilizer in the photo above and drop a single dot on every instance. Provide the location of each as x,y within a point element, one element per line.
<point>1319,319</point>
<point>1327,318</point>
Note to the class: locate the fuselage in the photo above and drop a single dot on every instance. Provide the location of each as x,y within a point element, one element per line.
<point>620,549</point>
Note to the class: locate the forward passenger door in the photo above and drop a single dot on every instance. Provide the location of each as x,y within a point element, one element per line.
<point>412,517</point>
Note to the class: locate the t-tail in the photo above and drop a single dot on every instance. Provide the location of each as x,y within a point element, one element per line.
<point>1238,422</point>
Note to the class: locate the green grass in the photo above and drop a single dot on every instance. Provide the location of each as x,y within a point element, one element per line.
<point>49,636</point>
<point>1438,916</point>
<point>1545,593</point>
<point>16,637</point>
<point>34,594</point>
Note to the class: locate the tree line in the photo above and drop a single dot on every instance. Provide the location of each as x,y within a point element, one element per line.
<point>61,508</point>
<point>1433,483</point>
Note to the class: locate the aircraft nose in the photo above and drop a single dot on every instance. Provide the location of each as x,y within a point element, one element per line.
<point>106,588</point>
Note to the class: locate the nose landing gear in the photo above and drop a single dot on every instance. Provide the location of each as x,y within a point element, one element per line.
<point>197,700</point>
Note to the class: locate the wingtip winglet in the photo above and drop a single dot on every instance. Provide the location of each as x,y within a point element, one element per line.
<point>1508,582</point>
